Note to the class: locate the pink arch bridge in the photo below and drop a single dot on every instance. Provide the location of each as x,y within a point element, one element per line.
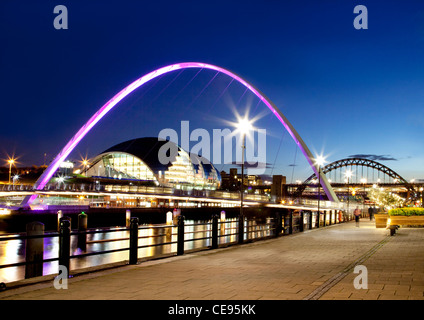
<point>64,153</point>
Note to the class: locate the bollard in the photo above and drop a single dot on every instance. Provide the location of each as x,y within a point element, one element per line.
<point>241,229</point>
<point>133,240</point>
<point>318,219</point>
<point>301,221</point>
<point>64,242</point>
<point>34,250</point>
<point>82,228</point>
<point>215,231</point>
<point>180,241</point>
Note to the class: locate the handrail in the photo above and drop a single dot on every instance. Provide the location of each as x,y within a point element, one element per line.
<point>218,232</point>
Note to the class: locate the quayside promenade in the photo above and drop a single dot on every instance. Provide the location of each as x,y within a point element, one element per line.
<point>314,265</point>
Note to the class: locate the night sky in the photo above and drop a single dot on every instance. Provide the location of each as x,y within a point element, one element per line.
<point>346,91</point>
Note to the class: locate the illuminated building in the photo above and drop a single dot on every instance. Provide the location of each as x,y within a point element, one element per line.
<point>140,160</point>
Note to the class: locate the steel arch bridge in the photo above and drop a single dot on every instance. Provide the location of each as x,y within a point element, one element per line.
<point>69,147</point>
<point>356,162</point>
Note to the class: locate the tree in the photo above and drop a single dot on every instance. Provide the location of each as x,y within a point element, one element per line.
<point>385,199</point>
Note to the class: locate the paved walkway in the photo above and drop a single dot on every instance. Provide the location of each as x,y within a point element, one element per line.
<point>316,264</point>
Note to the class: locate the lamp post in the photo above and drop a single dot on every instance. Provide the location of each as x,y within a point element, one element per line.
<point>243,126</point>
<point>319,161</point>
<point>363,181</point>
<point>348,174</point>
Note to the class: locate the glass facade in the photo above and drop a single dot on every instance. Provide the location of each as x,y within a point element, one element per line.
<point>120,165</point>
<point>181,170</point>
<point>181,173</point>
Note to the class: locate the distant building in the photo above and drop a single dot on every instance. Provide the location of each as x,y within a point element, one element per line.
<point>278,187</point>
<point>253,184</point>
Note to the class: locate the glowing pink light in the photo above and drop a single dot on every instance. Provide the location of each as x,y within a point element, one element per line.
<point>51,169</point>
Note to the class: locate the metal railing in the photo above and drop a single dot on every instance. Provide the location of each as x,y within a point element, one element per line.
<point>212,234</point>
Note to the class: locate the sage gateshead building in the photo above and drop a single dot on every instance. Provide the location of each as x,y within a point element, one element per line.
<point>157,162</point>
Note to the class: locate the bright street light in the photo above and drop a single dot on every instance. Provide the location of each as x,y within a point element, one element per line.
<point>348,174</point>
<point>244,125</point>
<point>320,160</point>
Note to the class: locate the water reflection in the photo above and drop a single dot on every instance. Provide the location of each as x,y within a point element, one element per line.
<point>154,240</point>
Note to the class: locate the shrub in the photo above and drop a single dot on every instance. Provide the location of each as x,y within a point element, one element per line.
<point>407,212</point>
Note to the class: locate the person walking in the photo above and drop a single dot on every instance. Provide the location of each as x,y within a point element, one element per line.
<point>357,214</point>
<point>371,212</point>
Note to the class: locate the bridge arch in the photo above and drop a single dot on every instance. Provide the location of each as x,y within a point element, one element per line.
<point>50,170</point>
<point>350,162</point>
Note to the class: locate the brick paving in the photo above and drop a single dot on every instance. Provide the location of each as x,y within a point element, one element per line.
<point>316,264</point>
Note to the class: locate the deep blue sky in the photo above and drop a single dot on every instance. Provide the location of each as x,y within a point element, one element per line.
<point>346,91</point>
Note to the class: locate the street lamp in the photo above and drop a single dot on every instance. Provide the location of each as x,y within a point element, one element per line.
<point>243,126</point>
<point>363,181</point>
<point>11,162</point>
<point>85,164</point>
<point>348,175</point>
<point>319,161</point>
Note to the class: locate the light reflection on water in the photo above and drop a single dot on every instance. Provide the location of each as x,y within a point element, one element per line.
<point>13,251</point>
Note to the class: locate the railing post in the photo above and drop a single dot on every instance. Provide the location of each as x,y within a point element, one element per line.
<point>215,231</point>
<point>310,219</point>
<point>34,250</point>
<point>318,219</point>
<point>133,240</point>
<point>291,222</point>
<point>278,224</point>
<point>241,229</point>
<point>301,222</point>
<point>180,241</point>
<point>325,218</point>
<point>64,242</point>
<point>82,228</point>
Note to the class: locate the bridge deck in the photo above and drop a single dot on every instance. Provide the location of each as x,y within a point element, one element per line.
<point>316,264</point>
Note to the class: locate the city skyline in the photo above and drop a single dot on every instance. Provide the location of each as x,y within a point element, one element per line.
<point>347,92</point>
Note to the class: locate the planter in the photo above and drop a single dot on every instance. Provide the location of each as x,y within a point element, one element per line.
<point>407,221</point>
<point>381,220</point>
